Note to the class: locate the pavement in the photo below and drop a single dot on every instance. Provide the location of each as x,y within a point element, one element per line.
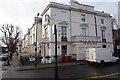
<point>15,65</point>
<point>50,65</point>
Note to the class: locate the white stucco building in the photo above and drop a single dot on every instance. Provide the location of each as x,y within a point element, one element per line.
<point>79,26</point>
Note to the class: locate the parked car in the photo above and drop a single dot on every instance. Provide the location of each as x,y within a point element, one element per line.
<point>3,57</point>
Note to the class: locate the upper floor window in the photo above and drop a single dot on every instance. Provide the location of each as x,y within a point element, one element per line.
<point>64,31</point>
<point>83,31</point>
<point>83,17</point>
<point>102,21</point>
<point>47,18</point>
<point>46,32</point>
<point>103,34</point>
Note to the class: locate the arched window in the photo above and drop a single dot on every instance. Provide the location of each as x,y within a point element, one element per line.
<point>103,33</point>
<point>83,29</point>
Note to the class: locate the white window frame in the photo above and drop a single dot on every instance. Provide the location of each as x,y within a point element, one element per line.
<point>84,31</point>
<point>103,34</point>
<point>102,21</point>
<point>83,17</point>
<point>64,31</point>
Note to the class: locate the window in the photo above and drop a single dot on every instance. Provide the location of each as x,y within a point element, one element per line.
<point>83,31</point>
<point>45,33</point>
<point>104,46</point>
<point>64,49</point>
<point>103,34</point>
<point>34,37</point>
<point>102,21</point>
<point>47,18</point>
<point>64,33</point>
<point>83,17</point>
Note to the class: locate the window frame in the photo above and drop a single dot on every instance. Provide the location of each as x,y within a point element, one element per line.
<point>102,21</point>
<point>83,17</point>
<point>84,31</point>
<point>103,34</point>
<point>63,31</point>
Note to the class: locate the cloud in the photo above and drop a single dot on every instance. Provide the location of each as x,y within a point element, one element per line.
<point>22,12</point>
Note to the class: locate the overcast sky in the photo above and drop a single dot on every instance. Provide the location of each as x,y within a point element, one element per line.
<point>22,12</point>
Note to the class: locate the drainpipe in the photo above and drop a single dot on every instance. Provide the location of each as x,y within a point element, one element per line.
<point>95,25</point>
<point>95,28</point>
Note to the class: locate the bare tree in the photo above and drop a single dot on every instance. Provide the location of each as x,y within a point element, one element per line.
<point>10,36</point>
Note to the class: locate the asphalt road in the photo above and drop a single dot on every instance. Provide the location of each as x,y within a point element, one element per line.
<point>68,72</point>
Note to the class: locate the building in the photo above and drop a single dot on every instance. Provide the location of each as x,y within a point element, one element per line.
<point>29,41</point>
<point>119,13</point>
<point>79,26</point>
<point>116,41</point>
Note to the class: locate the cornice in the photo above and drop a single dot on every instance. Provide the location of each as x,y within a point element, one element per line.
<point>69,8</point>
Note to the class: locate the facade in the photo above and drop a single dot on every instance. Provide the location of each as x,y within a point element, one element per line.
<point>28,43</point>
<point>79,27</point>
<point>116,42</point>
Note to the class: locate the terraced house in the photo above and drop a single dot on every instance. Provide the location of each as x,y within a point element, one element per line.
<point>28,47</point>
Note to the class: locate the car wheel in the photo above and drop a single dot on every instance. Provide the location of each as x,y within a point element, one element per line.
<point>102,62</point>
<point>118,61</point>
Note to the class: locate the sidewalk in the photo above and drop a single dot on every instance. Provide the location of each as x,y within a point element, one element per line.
<point>15,65</point>
<point>50,65</point>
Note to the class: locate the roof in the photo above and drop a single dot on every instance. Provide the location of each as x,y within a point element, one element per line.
<point>68,7</point>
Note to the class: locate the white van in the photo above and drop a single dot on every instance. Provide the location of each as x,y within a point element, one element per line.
<point>100,55</point>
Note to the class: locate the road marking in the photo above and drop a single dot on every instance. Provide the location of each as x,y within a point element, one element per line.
<point>103,76</point>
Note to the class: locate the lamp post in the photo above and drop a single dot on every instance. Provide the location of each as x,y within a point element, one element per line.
<point>56,66</point>
<point>54,32</point>
<point>36,40</point>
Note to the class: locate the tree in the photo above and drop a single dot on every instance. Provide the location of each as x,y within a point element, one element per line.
<point>11,36</point>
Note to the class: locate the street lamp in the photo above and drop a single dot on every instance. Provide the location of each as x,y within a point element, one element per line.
<point>56,65</point>
<point>36,22</point>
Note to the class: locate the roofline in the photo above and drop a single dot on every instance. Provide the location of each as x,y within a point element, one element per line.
<point>68,7</point>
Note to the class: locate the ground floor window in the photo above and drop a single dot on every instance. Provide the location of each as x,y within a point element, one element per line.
<point>104,46</point>
<point>64,49</point>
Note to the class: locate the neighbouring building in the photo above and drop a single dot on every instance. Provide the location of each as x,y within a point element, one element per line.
<point>116,41</point>
<point>79,26</point>
<point>119,13</point>
<point>29,41</point>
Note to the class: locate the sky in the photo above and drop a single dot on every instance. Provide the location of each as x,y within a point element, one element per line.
<point>22,12</point>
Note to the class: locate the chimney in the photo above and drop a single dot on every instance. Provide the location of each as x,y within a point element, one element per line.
<point>73,2</point>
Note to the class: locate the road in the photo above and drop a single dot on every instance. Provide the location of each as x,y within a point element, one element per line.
<point>68,72</point>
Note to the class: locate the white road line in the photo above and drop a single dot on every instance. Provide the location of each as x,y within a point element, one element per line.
<point>103,76</point>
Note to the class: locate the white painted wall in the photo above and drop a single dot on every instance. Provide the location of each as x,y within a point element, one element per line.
<point>74,28</point>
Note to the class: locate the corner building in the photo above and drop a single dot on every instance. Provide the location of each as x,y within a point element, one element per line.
<point>79,27</point>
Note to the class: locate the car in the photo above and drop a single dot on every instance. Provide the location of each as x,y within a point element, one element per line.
<point>3,57</point>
